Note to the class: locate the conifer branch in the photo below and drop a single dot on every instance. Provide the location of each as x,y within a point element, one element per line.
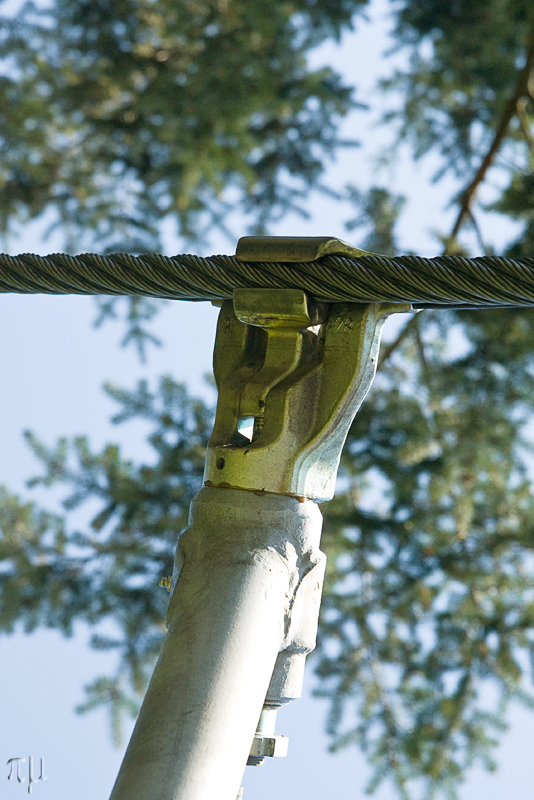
<point>509,112</point>
<point>461,698</point>
<point>388,716</point>
<point>523,121</point>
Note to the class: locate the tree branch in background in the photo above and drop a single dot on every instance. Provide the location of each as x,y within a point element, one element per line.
<point>523,121</point>
<point>390,349</point>
<point>478,233</point>
<point>510,111</point>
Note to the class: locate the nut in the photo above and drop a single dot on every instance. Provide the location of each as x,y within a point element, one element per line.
<point>274,746</point>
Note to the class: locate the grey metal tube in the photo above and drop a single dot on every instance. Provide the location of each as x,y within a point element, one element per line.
<point>244,555</point>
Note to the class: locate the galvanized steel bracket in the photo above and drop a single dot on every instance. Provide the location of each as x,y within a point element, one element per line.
<point>291,375</point>
<point>294,248</point>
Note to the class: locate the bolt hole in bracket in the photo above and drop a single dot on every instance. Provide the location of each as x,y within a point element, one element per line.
<point>291,374</point>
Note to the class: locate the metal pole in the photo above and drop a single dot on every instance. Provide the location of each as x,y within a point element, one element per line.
<point>243,556</point>
<point>248,571</point>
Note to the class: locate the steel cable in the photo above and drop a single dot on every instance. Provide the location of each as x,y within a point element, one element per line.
<point>452,281</point>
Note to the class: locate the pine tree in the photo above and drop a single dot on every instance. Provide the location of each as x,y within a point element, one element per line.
<point>121,114</point>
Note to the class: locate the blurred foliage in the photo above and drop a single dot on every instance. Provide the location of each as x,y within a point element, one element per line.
<point>53,576</point>
<point>465,59</point>
<point>122,115</point>
<point>379,211</point>
<point>428,615</point>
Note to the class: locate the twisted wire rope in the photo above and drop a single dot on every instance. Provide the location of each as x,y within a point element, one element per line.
<point>452,281</point>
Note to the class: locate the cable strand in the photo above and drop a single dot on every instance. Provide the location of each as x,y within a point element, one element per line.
<point>453,281</point>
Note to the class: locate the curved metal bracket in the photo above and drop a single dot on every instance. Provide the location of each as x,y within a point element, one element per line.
<point>291,376</point>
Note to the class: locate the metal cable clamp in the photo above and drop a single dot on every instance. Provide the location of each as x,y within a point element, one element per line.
<point>291,375</point>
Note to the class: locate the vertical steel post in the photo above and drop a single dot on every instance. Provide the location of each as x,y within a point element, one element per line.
<point>248,571</point>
